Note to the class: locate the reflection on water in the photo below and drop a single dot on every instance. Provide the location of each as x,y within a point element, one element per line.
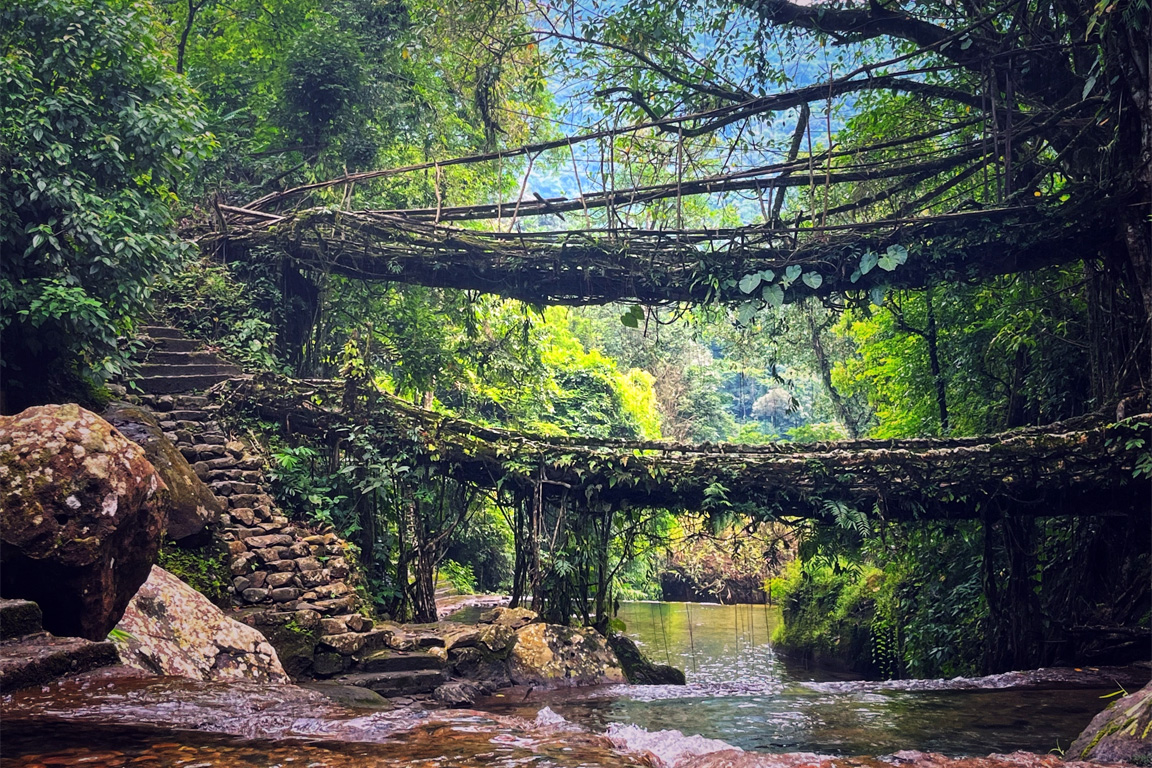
<point>740,691</point>
<point>38,744</point>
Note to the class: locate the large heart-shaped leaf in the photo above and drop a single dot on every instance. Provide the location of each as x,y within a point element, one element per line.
<point>774,295</point>
<point>813,280</point>
<point>746,312</point>
<point>893,257</point>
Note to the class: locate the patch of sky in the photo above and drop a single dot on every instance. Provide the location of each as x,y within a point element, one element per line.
<point>606,76</point>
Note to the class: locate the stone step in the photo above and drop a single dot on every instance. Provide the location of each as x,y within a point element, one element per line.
<point>162,332</point>
<point>19,618</point>
<point>176,345</point>
<point>399,661</point>
<point>181,414</point>
<point>162,385</point>
<point>40,658</point>
<point>395,683</point>
<point>210,369</point>
<point>168,357</point>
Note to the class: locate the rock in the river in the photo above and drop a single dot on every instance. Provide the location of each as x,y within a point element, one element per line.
<point>191,504</point>
<point>1119,733</point>
<point>638,669</point>
<point>513,618</point>
<point>548,654</point>
<point>458,693</point>
<point>174,630</point>
<point>81,517</point>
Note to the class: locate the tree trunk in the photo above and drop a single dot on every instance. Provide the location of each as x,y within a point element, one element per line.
<point>424,599</point>
<point>930,336</point>
<point>1014,638</point>
<point>826,375</point>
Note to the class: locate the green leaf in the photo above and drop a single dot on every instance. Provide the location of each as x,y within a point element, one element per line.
<point>746,312</point>
<point>633,317</point>
<point>749,283</point>
<point>774,295</point>
<point>867,262</point>
<point>877,294</point>
<point>791,274</point>
<point>1088,86</point>
<point>813,280</point>
<point>893,257</point>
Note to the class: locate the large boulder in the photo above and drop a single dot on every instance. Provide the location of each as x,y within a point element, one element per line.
<point>1119,733</point>
<point>81,516</point>
<point>553,656</point>
<point>638,669</point>
<point>192,506</point>
<point>171,629</point>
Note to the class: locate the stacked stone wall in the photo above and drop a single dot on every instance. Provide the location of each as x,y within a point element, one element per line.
<point>293,582</point>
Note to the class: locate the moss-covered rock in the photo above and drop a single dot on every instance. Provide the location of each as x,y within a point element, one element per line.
<point>192,506</point>
<point>638,669</point>
<point>172,629</point>
<point>552,655</point>
<point>295,637</point>
<point>81,516</point>
<point>1119,733</point>
<point>204,568</point>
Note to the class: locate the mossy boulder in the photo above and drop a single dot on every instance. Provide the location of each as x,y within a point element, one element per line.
<point>192,507</point>
<point>1119,733</point>
<point>556,656</point>
<point>81,516</point>
<point>638,669</point>
<point>295,636</point>
<point>172,629</point>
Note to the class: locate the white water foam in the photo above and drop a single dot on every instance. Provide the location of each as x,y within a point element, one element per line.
<point>668,748</point>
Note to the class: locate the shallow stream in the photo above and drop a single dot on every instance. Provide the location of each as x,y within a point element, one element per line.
<point>740,691</point>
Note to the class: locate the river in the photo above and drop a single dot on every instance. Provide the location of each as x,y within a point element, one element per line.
<point>740,692</point>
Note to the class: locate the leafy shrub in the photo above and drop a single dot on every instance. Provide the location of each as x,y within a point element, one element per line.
<point>236,312</point>
<point>96,132</point>
<point>204,568</point>
<point>459,576</point>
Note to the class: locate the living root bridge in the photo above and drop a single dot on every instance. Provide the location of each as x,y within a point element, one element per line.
<point>1082,468</point>
<point>656,266</point>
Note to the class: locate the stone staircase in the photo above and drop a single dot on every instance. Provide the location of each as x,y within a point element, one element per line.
<point>393,673</point>
<point>30,656</point>
<point>172,362</point>
<point>292,582</point>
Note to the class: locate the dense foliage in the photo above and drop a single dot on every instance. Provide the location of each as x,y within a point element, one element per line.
<point>97,135</point>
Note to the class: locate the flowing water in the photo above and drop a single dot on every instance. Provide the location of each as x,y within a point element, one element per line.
<point>740,692</point>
